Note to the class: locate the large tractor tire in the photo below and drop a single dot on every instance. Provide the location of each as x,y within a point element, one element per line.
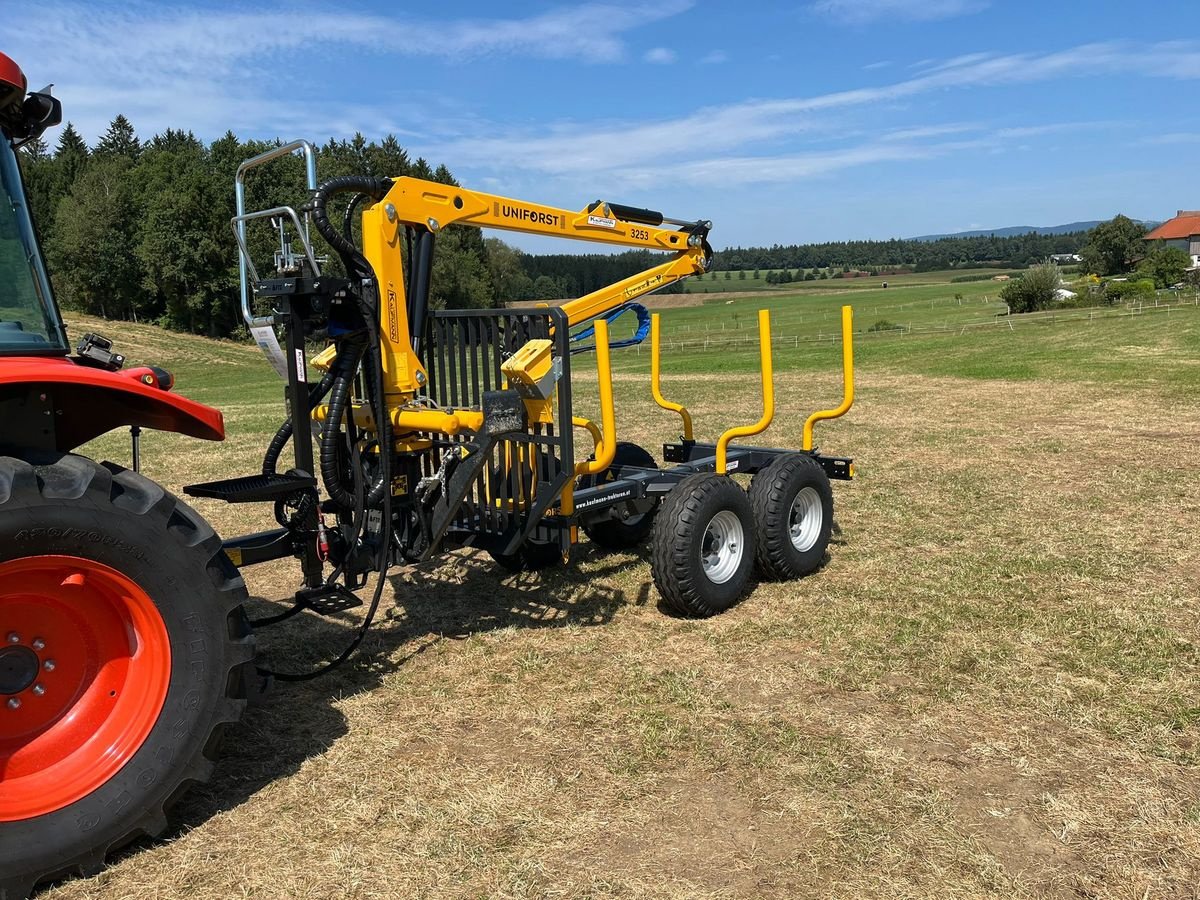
<point>124,652</point>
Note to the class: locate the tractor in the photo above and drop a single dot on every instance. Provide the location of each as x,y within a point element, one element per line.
<point>410,432</point>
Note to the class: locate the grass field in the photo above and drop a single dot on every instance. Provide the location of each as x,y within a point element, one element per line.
<point>720,284</point>
<point>989,690</point>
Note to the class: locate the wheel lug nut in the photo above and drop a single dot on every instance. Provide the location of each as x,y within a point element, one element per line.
<point>14,638</point>
<point>39,689</point>
<point>38,644</point>
<point>49,665</point>
<point>14,703</point>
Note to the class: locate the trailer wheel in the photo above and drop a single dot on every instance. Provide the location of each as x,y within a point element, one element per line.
<point>793,512</point>
<point>532,556</point>
<point>123,654</point>
<point>626,526</point>
<point>702,549</point>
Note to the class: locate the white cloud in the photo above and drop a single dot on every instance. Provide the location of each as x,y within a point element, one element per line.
<point>155,63</point>
<point>882,64</point>
<point>862,12</point>
<point>714,58</point>
<point>662,56</point>
<point>719,134</point>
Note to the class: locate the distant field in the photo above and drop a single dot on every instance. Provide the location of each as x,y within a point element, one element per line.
<point>990,690</point>
<point>708,284</point>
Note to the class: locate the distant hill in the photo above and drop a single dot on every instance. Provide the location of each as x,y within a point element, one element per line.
<point>1014,230</point>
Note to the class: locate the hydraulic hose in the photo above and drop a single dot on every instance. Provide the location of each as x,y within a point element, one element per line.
<point>374,188</point>
<point>349,357</point>
<point>344,367</point>
<point>348,216</point>
<point>284,434</point>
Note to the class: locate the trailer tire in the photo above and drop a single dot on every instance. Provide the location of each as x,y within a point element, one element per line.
<point>531,556</point>
<point>150,659</point>
<point>702,550</point>
<point>612,532</point>
<point>793,514</point>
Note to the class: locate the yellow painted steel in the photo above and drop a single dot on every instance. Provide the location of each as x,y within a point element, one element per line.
<point>436,420</point>
<point>361,412</point>
<point>324,359</point>
<point>613,295</point>
<point>406,419</point>
<point>403,372</point>
<point>530,365</point>
<point>592,428</point>
<point>656,389</point>
<point>607,448</point>
<point>768,393</point>
<point>567,498</point>
<point>847,379</point>
<point>433,205</point>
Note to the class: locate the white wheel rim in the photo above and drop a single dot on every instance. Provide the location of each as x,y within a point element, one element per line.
<point>722,547</point>
<point>804,519</point>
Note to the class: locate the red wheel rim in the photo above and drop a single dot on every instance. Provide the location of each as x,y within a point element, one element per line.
<point>85,662</point>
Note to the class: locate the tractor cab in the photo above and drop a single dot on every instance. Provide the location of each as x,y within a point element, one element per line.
<point>30,324</point>
<point>29,319</point>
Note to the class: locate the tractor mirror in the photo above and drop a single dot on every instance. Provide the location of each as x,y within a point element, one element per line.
<point>39,112</point>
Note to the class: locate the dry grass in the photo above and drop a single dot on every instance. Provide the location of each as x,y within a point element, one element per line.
<point>990,690</point>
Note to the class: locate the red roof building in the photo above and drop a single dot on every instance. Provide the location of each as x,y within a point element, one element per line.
<point>1183,232</point>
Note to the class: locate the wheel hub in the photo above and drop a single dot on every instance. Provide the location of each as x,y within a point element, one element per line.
<point>85,664</point>
<point>804,519</point>
<point>721,547</point>
<point>18,669</point>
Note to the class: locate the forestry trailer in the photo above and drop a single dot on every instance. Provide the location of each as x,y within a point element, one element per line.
<point>124,645</point>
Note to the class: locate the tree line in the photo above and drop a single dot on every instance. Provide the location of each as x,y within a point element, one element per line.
<point>140,230</point>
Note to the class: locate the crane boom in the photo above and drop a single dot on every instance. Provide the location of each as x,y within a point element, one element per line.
<point>430,206</point>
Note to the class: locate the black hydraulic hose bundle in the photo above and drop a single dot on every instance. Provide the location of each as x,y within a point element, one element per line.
<point>343,370</point>
<point>348,216</point>
<point>374,189</point>
<point>349,358</point>
<point>357,267</point>
<point>284,434</point>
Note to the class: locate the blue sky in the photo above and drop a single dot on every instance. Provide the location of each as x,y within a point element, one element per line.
<point>781,122</point>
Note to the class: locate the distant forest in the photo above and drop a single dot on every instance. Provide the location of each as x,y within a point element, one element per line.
<point>140,230</point>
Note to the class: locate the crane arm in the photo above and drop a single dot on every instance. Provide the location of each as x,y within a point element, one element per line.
<point>432,205</point>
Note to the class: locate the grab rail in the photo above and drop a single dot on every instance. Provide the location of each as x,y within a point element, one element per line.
<point>239,220</point>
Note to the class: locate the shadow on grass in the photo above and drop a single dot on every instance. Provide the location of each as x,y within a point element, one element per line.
<point>465,594</point>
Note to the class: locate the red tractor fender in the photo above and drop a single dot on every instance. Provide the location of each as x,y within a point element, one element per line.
<point>85,402</point>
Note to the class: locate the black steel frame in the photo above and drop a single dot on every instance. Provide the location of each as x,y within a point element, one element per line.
<point>509,500</point>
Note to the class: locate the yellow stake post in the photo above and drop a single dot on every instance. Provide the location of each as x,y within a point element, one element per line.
<point>768,393</point>
<point>656,389</point>
<point>847,379</point>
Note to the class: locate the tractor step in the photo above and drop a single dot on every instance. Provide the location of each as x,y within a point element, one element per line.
<point>328,599</point>
<point>252,488</point>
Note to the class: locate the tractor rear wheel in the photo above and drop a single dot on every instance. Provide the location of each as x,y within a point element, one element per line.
<point>124,651</point>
